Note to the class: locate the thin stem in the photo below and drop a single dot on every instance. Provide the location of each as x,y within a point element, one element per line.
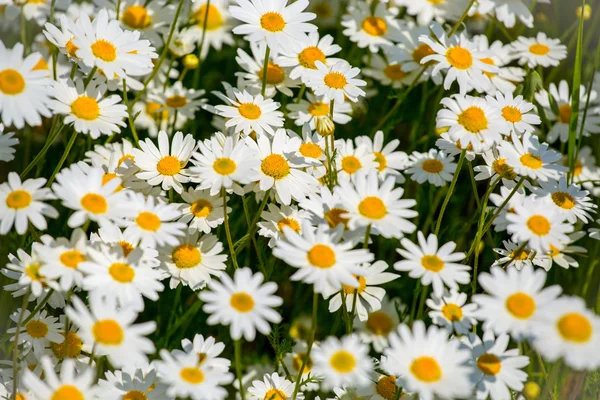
<point>51,138</point>
<point>89,78</point>
<point>254,242</point>
<point>474,184</point>
<point>462,18</point>
<point>63,158</point>
<point>16,345</point>
<point>253,228</point>
<point>265,69</point>
<point>23,32</point>
<point>450,191</point>
<point>118,9</point>
<point>551,381</point>
<point>227,231</point>
<point>201,45</point>
<point>311,339</point>
<point>129,117</point>
<point>238,367</point>
<point>504,203</point>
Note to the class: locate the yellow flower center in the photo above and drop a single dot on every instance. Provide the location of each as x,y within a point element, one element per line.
<point>289,222</point>
<point>564,113</point>
<point>104,50</point>
<point>488,61</point>
<point>272,21</point>
<point>168,165</point>
<point>201,208</point>
<point>309,55</point>
<point>334,218</point>
<point>85,108</point>
<point>394,72</point>
<point>489,364</point>
<point>121,272</point>
<point>18,199</point>
<point>275,394</point>
<point>318,109</point>
<point>242,302</point>
<point>436,1</point>
<point>134,395</point>
<point>351,164</point>
<point>321,256</point>
<point>192,375</point>
<point>381,160</point>
<point>126,247</point>
<point>520,305</point>
<point>539,49</point>
<point>186,256</point>
<point>522,255</point>
<point>512,114</point>
<point>531,161</point>
<point>108,332</point>
<point>41,65</point>
<point>224,166</point>
<point>335,80</point>
<point>502,168</point>
<point>33,272</point>
<point>421,52</point>
<point>275,166</point>
<point>342,361</point>
<point>250,111</point>
<point>386,387</point>
<point>362,285</point>
<point>426,369</point>
<point>380,323</point>
<point>213,21</point>
<point>539,225</point>
<point>36,329</point>
<point>176,101</point>
<point>432,166</point>
<point>563,200</point>
<point>432,263</point>
<point>152,109</point>
<point>70,349</point>
<point>459,57</point>
<point>452,312</point>
<point>575,327</point>
<point>71,48</point>
<point>136,17</point>
<point>374,26</point>
<point>310,150</point>
<point>67,392</point>
<point>148,221</point>
<point>299,359</point>
<point>11,82</point>
<point>125,157</point>
<point>473,119</point>
<point>94,203</point>
<point>372,207</point>
<point>71,258</point>
<point>275,74</point>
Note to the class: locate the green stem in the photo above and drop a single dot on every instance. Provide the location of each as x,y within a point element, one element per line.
<point>238,367</point>
<point>253,228</point>
<point>63,158</point>
<point>51,138</point>
<point>450,191</point>
<point>89,78</point>
<point>227,231</point>
<point>504,203</point>
<point>261,263</point>
<point>129,116</point>
<point>16,345</point>
<point>311,340</point>
<point>201,46</point>
<point>462,18</point>
<point>551,381</point>
<point>474,184</point>
<point>265,69</point>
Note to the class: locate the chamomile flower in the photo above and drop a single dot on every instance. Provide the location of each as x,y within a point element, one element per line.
<point>310,109</point>
<point>23,202</point>
<point>512,255</point>
<point>224,165</point>
<point>390,72</point>
<point>202,212</point>
<point>132,382</point>
<point>249,113</point>
<point>63,258</point>
<point>529,158</point>
<point>151,116</point>
<point>567,200</point>
<point>507,12</point>
<point>389,161</point>
<point>434,265</point>
<point>371,30</point>
<point>495,166</point>
<point>194,260</point>
<point>336,82</point>
<point>207,350</point>
<point>113,235</point>
<point>351,159</point>
<point>112,331</point>
<point>273,386</point>
<point>427,362</point>
<point>434,167</point>
<point>7,142</point>
<point>516,113</point>
<point>40,330</point>
<point>276,22</point>
<point>244,303</point>
<point>320,257</point>
<point>294,360</point>
<point>562,257</point>
<point>567,329</point>
<point>73,383</point>
<point>302,55</point>
<point>540,50</point>
<point>218,24</point>
<point>89,111</point>
<point>450,311</point>
<point>379,324</point>
<point>178,100</point>
<point>25,270</point>
<point>275,218</point>
<point>539,224</point>
<point>151,19</point>
<point>151,221</point>
<point>427,11</point>
<point>379,205</point>
<point>514,301</point>
<point>342,362</point>
<point>368,293</point>
<point>165,164</point>
<point>24,90</point>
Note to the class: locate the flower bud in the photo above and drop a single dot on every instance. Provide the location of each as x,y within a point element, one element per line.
<point>324,125</point>
<point>531,391</point>
<point>191,61</point>
<point>587,12</point>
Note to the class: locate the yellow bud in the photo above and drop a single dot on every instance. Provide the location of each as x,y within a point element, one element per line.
<point>531,390</point>
<point>587,12</point>
<point>191,61</point>
<point>324,125</point>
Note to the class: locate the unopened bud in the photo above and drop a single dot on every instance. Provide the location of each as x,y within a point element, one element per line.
<point>587,12</point>
<point>191,61</point>
<point>531,391</point>
<point>325,126</point>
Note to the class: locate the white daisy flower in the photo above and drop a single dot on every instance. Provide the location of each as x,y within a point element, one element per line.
<point>380,324</point>
<point>351,159</point>
<point>218,24</point>
<point>495,165</point>
<point>112,235</point>
<point>294,360</point>
<point>249,113</point>
<point>153,117</point>
<point>512,255</point>
<point>507,12</point>
<point>411,51</point>
<point>336,82</point>
<point>310,109</point>
<point>179,100</point>
<point>24,90</point>
<point>371,29</point>
<point>275,218</point>
<point>540,50</point>
<point>450,311</point>
<point>244,303</point>
<point>165,165</point>
<point>273,387</point>
<point>23,202</point>
<point>567,200</point>
<point>203,212</point>
<point>434,265</point>
<point>427,362</point>
<point>7,142</point>
<point>342,362</point>
<point>312,148</point>
<point>207,351</point>
<point>73,383</point>
<point>434,167</point>
<point>390,162</point>
<point>389,71</point>
<point>454,148</point>
<point>506,78</point>
<point>25,270</point>
<point>112,331</point>
<point>130,383</point>
<point>152,19</point>
<point>370,202</point>
<point>515,301</point>
<point>516,113</point>
<point>427,11</point>
<point>275,22</point>
<point>585,168</point>
<point>41,330</point>
<point>562,257</point>
<point>62,258</point>
<point>320,257</point>
<point>302,55</point>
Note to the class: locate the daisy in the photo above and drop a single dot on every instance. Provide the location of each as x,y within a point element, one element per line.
<point>249,113</point>
<point>62,258</point>
<point>449,311</point>
<point>371,30</point>
<point>153,117</point>
<point>498,368</point>
<point>294,360</point>
<point>88,109</point>
<point>87,194</point>
<point>312,149</point>
<point>540,50</point>
<point>432,264</point>
<point>382,387</point>
<point>379,205</point>
<point>202,212</point>
<point>454,148</point>
<point>7,142</point>
<point>151,19</point>
<point>566,328</point>
<point>103,44</point>
<point>529,158</point>
<point>113,235</point>
<point>495,165</point>
<point>351,159</point>
<point>25,270</point>
<point>151,221</point>
<point>224,165</point>
<point>273,387</point>
<point>516,113</point>
<point>434,167</point>
<point>380,324</point>
<point>179,101</point>
<point>427,362</point>
<point>336,82</point>
<point>275,218</point>
<point>302,55</point>
<point>342,362</point>
<point>320,257</point>
<point>23,202</point>
<point>73,383</point>
<point>411,51</point>
<point>207,350</point>
<point>112,331</point>
<point>280,169</point>
<point>567,200</point>
<point>368,293</point>
<point>313,107</point>
<point>71,348</point>
<point>562,257</point>
<point>512,255</point>
<point>389,71</point>
<point>472,121</point>
<point>427,11</point>
<point>539,224</point>
<point>507,12</point>
<point>132,383</point>
<point>585,168</point>
<point>24,90</point>
<point>41,330</point>
<point>165,164</point>
<point>244,303</point>
<point>218,24</point>
<point>275,22</point>
<point>194,260</point>
<point>506,78</point>
<point>515,300</point>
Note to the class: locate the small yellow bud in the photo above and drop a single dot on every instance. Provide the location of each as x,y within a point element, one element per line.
<point>531,390</point>
<point>191,61</point>
<point>587,12</point>
<point>324,125</point>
